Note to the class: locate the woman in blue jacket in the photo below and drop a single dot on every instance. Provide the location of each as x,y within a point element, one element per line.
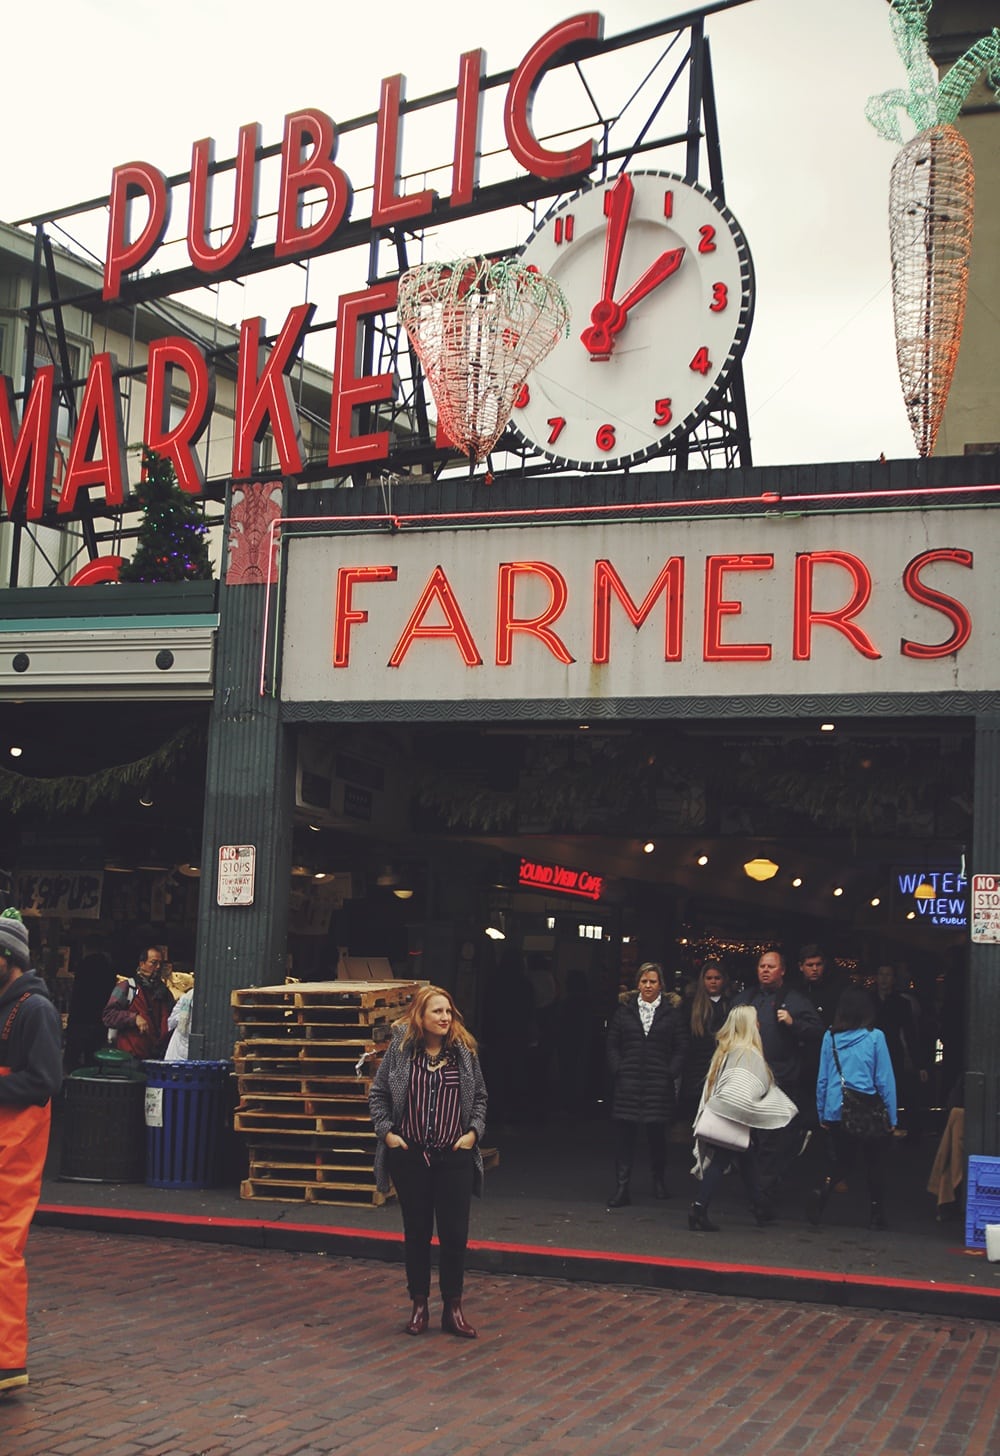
<point>864,1065</point>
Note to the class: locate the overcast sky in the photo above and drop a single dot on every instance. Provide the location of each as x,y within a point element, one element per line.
<point>93,83</point>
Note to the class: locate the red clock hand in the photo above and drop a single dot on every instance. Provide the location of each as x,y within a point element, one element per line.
<point>617,205</point>
<point>597,337</point>
<point>654,275</point>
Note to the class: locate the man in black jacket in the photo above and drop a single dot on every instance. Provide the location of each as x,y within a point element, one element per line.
<point>30,1075</point>
<point>788,1022</point>
<point>822,984</point>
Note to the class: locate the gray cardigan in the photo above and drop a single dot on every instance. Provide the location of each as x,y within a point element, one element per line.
<point>387,1103</point>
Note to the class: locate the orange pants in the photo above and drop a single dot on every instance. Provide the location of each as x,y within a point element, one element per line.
<point>24,1140</point>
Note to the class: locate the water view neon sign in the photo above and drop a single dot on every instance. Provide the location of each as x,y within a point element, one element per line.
<point>939,896</point>
<point>558,878</point>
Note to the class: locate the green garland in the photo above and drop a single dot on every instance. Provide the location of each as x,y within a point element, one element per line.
<point>82,792</point>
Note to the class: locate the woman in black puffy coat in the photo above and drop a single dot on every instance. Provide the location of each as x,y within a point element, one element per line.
<point>645,1055</point>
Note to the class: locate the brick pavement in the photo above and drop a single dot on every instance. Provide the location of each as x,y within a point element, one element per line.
<point>145,1347</point>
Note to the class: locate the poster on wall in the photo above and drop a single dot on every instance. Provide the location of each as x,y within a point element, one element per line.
<point>66,894</point>
<point>986,909</point>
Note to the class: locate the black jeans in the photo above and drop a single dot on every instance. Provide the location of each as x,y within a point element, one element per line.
<point>745,1164</point>
<point>841,1151</point>
<point>777,1147</point>
<point>441,1192</point>
<point>656,1143</point>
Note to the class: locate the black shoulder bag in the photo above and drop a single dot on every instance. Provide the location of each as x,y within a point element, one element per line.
<point>863,1115</point>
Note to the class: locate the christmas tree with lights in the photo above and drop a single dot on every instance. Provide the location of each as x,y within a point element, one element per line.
<point>171,543</point>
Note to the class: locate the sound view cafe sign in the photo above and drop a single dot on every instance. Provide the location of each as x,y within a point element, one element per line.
<point>263,397</point>
<point>560,879</point>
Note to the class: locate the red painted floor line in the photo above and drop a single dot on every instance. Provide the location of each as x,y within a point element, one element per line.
<point>532,1250</point>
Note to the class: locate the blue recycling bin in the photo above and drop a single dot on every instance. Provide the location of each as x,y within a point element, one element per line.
<point>187,1105</point>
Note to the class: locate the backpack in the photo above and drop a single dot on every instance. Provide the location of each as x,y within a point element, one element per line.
<point>132,989</point>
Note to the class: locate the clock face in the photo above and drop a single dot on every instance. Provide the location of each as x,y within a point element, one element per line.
<point>659,282</point>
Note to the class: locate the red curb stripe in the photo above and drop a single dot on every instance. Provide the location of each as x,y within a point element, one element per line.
<point>548,1252</point>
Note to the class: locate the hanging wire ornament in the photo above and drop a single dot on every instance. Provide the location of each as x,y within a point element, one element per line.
<point>479,328</point>
<point>931,210</point>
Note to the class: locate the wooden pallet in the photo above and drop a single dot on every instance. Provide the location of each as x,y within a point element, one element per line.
<point>296,1122</point>
<point>317,995</point>
<point>267,1051</point>
<point>325,1167</point>
<point>322,1104</point>
<point>273,1084</point>
<point>306,1191</point>
<point>282,1147</point>
<point>336,1016</point>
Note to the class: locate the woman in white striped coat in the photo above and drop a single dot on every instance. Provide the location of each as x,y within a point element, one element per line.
<point>741,1087</point>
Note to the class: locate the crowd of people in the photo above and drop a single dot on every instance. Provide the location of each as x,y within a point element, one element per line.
<point>777,1062</point>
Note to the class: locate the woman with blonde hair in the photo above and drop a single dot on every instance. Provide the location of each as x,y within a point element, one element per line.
<point>428,1106</point>
<point>740,1088</point>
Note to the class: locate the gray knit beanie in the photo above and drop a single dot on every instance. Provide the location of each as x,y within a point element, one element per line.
<point>14,938</point>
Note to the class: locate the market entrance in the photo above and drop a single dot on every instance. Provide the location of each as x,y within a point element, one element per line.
<point>548,862</point>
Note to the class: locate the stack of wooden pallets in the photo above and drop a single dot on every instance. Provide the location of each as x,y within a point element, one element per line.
<point>305,1059</point>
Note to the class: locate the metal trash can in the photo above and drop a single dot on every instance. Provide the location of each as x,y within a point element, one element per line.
<point>186,1106</point>
<point>104,1128</point>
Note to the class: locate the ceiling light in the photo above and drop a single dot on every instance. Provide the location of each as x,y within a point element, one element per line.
<point>924,891</point>
<point>838,890</point>
<point>826,727</point>
<point>192,871</point>
<point>911,914</point>
<point>703,859</point>
<point>648,847</point>
<point>320,875</point>
<point>494,933</point>
<point>874,901</point>
<point>796,883</point>
<point>146,800</point>
<point>401,894</point>
<point>761,869</point>
<point>16,752</point>
<point>314,827</point>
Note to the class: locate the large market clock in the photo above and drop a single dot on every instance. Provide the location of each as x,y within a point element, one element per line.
<point>659,281</point>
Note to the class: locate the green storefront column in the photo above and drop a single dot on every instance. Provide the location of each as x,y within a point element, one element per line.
<point>249,789</point>
<point>982,1059</point>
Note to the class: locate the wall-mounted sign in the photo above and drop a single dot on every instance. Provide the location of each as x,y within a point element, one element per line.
<point>560,879</point>
<point>938,896</point>
<point>986,909</point>
<point>237,863</point>
<point>578,614</point>
<point>75,893</point>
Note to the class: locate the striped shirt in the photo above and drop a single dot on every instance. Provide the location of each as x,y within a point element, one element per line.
<point>433,1119</point>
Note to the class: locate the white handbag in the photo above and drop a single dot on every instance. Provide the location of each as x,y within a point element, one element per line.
<point>724,1132</point>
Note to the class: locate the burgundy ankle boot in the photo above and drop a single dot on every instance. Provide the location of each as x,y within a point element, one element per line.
<point>417,1322</point>
<point>453,1321</point>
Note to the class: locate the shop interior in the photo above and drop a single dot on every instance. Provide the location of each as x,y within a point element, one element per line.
<point>461,854</point>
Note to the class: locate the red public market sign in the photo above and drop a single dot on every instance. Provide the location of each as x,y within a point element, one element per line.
<point>264,401</point>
